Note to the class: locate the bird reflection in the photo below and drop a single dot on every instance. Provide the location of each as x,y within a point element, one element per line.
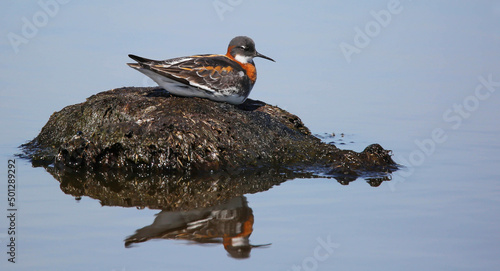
<point>229,224</point>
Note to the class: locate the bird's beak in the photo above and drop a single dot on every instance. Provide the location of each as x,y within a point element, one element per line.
<point>257,54</point>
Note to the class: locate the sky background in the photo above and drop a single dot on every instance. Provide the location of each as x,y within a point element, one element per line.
<point>408,79</point>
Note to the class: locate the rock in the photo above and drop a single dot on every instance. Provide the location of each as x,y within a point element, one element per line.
<point>147,129</point>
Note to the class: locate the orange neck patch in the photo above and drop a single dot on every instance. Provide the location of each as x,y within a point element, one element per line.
<point>248,67</point>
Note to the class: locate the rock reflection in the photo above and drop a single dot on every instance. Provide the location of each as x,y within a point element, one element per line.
<point>377,181</point>
<point>168,192</point>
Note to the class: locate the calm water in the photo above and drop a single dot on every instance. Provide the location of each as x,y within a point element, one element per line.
<point>421,78</point>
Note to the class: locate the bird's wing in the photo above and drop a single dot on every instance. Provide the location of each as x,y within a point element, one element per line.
<point>209,72</point>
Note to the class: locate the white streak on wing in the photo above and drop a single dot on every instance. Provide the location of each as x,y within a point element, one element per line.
<point>212,77</point>
<point>175,61</point>
<point>203,87</point>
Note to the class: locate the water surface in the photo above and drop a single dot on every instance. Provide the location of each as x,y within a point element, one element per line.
<point>416,75</point>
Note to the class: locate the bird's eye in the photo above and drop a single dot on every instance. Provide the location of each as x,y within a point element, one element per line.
<point>244,47</point>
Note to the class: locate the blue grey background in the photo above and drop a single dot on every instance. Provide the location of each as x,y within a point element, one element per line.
<point>413,74</point>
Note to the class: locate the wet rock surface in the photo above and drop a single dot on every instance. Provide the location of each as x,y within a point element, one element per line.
<point>149,130</point>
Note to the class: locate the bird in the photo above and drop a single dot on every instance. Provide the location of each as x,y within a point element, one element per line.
<point>223,78</point>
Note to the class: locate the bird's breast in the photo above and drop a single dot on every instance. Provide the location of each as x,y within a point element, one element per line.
<point>250,71</point>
